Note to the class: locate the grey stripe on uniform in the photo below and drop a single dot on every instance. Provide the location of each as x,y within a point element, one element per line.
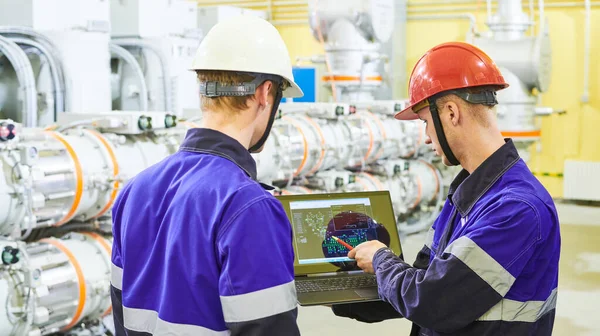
<point>116,276</point>
<point>143,320</point>
<point>259,304</point>
<point>429,238</point>
<point>516,311</point>
<point>481,263</point>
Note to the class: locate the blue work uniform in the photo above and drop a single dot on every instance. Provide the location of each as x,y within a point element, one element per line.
<point>201,248</point>
<point>489,265</point>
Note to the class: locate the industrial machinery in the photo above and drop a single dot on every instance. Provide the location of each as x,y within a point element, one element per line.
<point>58,59</point>
<point>352,36</point>
<point>65,153</point>
<point>150,53</point>
<point>526,64</point>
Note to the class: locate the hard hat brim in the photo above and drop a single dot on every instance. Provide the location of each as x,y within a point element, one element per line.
<point>407,114</point>
<point>294,91</point>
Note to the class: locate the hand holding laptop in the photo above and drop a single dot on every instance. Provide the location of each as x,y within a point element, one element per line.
<point>363,254</point>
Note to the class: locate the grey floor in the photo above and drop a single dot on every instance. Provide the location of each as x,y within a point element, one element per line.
<point>578,305</point>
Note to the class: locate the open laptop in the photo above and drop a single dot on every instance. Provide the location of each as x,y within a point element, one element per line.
<point>323,272</point>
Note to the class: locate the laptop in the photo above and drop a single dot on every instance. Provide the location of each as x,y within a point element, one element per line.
<point>324,227</point>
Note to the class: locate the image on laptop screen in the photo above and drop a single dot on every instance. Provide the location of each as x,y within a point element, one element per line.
<point>317,224</point>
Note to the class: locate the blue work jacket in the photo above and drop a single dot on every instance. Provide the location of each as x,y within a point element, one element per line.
<point>201,248</point>
<point>489,265</point>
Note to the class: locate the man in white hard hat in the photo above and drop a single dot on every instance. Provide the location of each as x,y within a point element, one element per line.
<point>200,247</point>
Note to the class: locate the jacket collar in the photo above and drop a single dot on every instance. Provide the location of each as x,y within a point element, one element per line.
<point>205,140</point>
<point>467,189</point>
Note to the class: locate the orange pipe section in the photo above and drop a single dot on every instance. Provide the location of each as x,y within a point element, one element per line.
<point>108,250</point>
<point>349,78</point>
<point>522,134</point>
<point>383,133</point>
<point>371,142</point>
<point>374,180</point>
<point>437,180</point>
<point>419,193</point>
<point>80,280</point>
<point>78,174</point>
<point>322,157</point>
<point>362,183</point>
<point>303,162</point>
<point>113,159</point>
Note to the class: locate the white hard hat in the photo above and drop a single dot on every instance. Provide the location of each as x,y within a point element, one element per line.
<point>247,44</point>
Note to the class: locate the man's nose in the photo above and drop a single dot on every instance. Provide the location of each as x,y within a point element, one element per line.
<point>427,140</point>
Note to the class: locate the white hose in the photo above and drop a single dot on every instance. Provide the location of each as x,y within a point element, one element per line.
<point>22,66</point>
<point>52,54</point>
<point>127,42</point>
<point>59,90</point>
<point>126,56</point>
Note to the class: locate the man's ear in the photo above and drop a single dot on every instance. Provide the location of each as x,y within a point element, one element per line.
<point>453,113</point>
<point>262,93</point>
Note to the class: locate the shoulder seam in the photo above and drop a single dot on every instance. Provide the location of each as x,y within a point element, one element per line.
<point>223,228</point>
<point>537,223</point>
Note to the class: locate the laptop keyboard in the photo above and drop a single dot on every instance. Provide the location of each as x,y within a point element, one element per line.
<point>332,284</point>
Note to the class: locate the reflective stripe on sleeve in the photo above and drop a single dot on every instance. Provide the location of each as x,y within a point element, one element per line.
<point>516,311</point>
<point>482,264</point>
<point>143,320</point>
<point>259,304</point>
<point>116,276</point>
<point>429,238</point>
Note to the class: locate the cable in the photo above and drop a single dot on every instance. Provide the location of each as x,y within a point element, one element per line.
<point>22,67</point>
<point>126,56</point>
<point>59,90</point>
<point>128,42</point>
<point>49,46</point>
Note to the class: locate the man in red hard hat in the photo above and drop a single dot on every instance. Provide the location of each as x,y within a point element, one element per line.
<point>490,263</point>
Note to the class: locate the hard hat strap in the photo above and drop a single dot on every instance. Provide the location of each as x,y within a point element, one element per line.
<point>212,89</point>
<point>439,130</point>
<point>487,98</point>
<point>274,110</point>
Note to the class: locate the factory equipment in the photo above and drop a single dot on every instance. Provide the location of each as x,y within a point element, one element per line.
<point>150,54</point>
<point>63,163</point>
<point>58,58</point>
<point>352,36</point>
<point>526,64</point>
<point>54,284</point>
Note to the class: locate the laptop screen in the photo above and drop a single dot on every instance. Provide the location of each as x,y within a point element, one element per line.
<point>325,226</point>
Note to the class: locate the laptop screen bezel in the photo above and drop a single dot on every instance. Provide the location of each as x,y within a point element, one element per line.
<point>300,270</point>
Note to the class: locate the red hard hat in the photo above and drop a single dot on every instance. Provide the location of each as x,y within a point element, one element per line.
<point>450,66</point>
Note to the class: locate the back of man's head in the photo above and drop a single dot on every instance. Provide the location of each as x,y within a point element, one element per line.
<point>230,104</point>
<point>482,115</point>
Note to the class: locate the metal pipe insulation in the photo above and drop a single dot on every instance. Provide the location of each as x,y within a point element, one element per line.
<point>56,284</point>
<point>24,72</point>
<point>59,90</point>
<point>126,56</point>
<point>51,53</point>
<point>73,175</point>
<point>127,42</point>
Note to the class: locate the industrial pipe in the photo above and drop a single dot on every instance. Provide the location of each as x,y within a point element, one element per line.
<point>59,90</point>
<point>126,56</point>
<point>49,46</point>
<point>17,57</point>
<point>127,42</point>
